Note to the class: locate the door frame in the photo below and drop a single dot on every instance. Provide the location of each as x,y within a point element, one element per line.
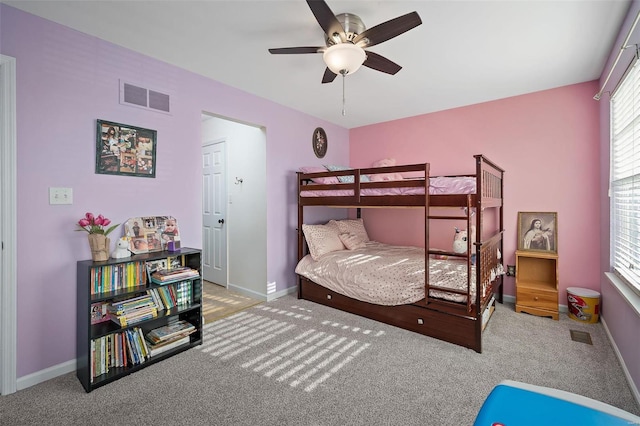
<point>8,224</point>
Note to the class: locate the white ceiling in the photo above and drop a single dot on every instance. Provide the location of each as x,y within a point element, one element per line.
<point>465,52</point>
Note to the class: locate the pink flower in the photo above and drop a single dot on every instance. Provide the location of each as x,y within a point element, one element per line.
<point>95,224</point>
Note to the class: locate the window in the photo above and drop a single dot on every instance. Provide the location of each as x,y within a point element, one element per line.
<point>625,178</point>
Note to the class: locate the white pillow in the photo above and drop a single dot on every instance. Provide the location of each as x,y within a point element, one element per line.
<point>322,239</point>
<point>351,241</point>
<point>353,226</point>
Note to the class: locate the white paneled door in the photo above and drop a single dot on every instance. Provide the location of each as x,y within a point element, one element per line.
<point>214,212</point>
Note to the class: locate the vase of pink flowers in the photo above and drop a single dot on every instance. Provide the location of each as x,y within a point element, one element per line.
<point>95,226</point>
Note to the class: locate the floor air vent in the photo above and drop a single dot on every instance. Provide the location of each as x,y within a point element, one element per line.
<point>140,97</point>
<point>581,336</point>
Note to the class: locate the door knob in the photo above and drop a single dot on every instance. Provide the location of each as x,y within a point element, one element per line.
<point>221,221</point>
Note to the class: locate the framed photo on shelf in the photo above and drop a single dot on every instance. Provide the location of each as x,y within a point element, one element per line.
<point>538,231</point>
<point>122,149</point>
<point>152,233</point>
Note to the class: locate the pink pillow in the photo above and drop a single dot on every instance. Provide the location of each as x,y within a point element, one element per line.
<point>317,169</point>
<point>385,162</point>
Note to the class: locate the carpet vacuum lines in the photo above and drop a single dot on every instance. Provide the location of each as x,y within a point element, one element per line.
<point>287,345</point>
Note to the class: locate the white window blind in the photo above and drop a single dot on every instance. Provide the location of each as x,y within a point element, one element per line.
<point>625,178</point>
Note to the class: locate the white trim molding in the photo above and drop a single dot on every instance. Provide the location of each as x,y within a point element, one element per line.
<point>8,223</point>
<point>632,298</point>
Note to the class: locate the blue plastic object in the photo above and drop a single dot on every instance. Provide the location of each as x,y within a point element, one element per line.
<point>513,403</point>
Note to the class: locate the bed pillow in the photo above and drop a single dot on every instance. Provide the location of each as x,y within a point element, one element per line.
<point>329,180</point>
<point>322,239</point>
<point>353,226</point>
<point>345,179</point>
<point>385,162</point>
<point>352,241</point>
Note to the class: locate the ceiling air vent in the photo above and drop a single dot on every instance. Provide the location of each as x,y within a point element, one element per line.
<point>140,97</point>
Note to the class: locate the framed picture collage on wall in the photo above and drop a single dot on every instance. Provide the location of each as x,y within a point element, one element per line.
<point>126,150</point>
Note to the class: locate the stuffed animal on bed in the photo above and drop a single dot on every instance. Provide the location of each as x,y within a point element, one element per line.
<point>460,239</point>
<point>385,162</point>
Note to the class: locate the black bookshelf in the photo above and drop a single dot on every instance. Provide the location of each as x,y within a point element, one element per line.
<point>190,311</point>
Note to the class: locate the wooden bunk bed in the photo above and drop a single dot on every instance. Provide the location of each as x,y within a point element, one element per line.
<point>457,322</point>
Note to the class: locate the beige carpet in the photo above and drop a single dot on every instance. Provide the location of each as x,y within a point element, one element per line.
<point>218,302</point>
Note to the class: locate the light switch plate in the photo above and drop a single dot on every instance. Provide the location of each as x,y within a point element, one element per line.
<point>60,196</point>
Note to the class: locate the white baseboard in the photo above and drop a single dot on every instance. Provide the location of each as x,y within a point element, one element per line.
<point>260,296</point>
<point>281,293</point>
<point>634,389</point>
<point>246,292</point>
<point>46,374</point>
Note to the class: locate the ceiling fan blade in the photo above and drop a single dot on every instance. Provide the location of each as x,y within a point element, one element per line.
<point>390,29</point>
<point>326,18</point>
<point>296,50</point>
<point>328,76</point>
<point>380,63</point>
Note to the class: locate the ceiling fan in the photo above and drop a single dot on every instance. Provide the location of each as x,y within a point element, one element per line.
<point>347,38</point>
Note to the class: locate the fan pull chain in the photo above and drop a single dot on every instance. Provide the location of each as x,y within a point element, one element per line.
<point>344,112</point>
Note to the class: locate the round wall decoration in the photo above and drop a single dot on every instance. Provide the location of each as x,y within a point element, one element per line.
<point>319,142</point>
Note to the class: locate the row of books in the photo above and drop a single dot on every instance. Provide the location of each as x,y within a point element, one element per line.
<point>117,277</point>
<point>121,349</point>
<point>132,310</point>
<point>143,307</point>
<point>172,295</point>
<point>132,347</point>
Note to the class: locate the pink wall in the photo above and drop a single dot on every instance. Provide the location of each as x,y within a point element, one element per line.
<point>65,81</point>
<point>547,142</point>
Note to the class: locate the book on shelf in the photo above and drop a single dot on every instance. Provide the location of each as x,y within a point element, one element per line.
<point>166,276</point>
<point>166,264</point>
<point>133,310</point>
<point>99,312</point>
<point>159,348</point>
<point>134,317</point>
<point>170,331</point>
<point>131,304</point>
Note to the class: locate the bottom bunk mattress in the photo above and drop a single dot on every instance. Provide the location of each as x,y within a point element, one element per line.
<point>384,274</point>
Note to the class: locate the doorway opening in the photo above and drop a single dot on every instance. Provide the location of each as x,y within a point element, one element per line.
<point>234,213</point>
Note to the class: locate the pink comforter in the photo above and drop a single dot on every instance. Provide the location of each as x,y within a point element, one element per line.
<point>386,275</point>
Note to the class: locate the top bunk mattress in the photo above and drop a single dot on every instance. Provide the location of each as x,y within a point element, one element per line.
<point>440,185</point>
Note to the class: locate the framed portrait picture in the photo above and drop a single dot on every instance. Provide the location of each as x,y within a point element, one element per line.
<point>538,231</point>
<point>319,142</point>
<point>122,149</point>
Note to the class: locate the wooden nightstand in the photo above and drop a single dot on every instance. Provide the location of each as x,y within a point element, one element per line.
<point>537,283</point>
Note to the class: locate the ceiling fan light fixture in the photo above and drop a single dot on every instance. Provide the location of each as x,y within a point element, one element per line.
<point>344,58</point>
